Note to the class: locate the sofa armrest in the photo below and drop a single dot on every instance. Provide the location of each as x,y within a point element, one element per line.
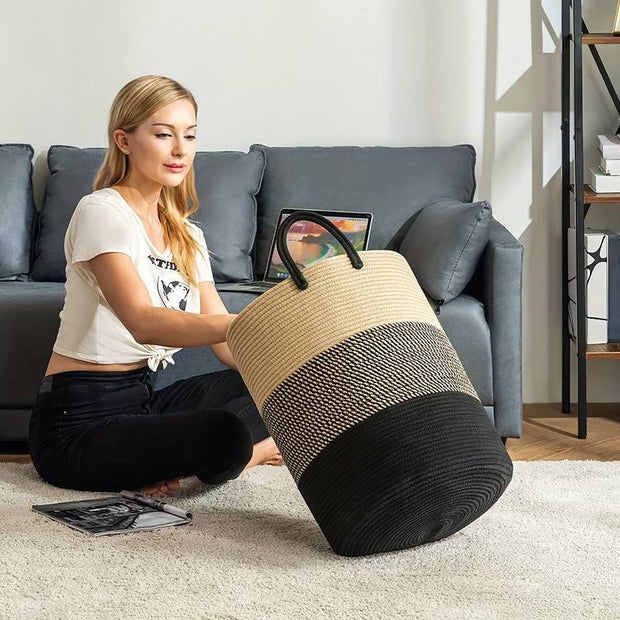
<point>497,283</point>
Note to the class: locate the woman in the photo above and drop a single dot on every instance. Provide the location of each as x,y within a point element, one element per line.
<point>140,287</point>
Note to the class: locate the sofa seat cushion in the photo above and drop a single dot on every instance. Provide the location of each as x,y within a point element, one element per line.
<point>393,183</point>
<point>226,183</point>
<point>29,321</point>
<point>464,322</point>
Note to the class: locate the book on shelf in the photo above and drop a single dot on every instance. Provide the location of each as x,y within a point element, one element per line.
<point>609,145</point>
<point>117,514</point>
<point>610,166</point>
<point>602,267</point>
<point>603,183</point>
<point>613,286</point>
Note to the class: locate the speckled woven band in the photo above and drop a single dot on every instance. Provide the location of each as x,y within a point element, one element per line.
<point>353,380</point>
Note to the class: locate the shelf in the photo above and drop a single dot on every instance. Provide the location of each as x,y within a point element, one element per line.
<point>600,38</point>
<point>608,350</point>
<point>590,196</point>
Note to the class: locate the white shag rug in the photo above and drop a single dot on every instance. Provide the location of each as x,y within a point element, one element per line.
<point>549,548</point>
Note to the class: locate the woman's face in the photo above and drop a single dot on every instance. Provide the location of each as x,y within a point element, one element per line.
<point>168,137</point>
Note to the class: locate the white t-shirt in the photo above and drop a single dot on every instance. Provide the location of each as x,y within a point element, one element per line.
<point>89,328</point>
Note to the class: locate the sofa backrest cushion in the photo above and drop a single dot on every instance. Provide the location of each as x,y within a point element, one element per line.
<point>72,172</point>
<point>444,244</point>
<point>17,211</point>
<point>393,183</point>
<point>226,183</point>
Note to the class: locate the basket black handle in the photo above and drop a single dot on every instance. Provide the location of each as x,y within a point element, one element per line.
<point>311,216</point>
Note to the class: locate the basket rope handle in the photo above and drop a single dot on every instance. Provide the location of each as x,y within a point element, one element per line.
<point>310,216</point>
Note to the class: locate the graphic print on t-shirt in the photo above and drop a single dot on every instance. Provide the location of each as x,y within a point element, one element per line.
<point>162,264</point>
<point>173,293</point>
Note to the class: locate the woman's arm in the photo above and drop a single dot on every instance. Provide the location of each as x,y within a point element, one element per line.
<point>211,304</point>
<point>126,293</point>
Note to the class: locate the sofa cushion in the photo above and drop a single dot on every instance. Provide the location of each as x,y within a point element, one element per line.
<point>463,320</point>
<point>226,183</point>
<point>17,210</point>
<point>72,172</point>
<point>393,183</point>
<point>444,244</point>
<point>29,320</point>
<point>29,315</point>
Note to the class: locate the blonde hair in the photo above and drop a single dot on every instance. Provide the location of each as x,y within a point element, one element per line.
<point>137,101</point>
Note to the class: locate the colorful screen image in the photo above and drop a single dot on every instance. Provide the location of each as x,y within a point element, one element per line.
<point>309,243</point>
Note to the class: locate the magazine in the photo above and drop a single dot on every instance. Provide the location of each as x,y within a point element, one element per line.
<point>117,514</point>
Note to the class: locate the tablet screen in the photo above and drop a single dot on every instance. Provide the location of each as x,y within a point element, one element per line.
<point>309,243</point>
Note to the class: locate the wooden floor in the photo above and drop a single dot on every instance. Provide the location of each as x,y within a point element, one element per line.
<point>548,435</point>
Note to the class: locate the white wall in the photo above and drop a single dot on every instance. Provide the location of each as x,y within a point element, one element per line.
<point>345,72</point>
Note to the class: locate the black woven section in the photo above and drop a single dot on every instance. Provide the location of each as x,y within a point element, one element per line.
<point>411,474</point>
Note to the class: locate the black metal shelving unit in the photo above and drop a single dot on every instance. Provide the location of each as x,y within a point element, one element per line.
<point>580,198</point>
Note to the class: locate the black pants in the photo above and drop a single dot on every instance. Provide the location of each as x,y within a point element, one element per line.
<point>108,431</point>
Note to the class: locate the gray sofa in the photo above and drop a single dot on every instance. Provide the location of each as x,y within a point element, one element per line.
<point>240,197</point>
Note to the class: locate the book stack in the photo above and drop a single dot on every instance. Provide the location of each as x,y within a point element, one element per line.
<point>606,178</point>
<point>602,266</point>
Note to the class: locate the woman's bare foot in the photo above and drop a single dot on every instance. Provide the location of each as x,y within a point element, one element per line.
<point>265,453</point>
<point>161,489</point>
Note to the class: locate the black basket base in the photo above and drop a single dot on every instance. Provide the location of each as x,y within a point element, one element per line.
<point>410,474</point>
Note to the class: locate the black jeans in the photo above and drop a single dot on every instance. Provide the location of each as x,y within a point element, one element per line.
<point>109,430</point>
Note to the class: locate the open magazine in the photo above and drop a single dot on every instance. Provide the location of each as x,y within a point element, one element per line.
<point>117,514</point>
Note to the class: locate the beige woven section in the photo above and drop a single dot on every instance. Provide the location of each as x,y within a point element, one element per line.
<point>370,371</point>
<point>285,327</point>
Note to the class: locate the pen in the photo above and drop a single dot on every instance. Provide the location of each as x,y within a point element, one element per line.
<point>155,503</point>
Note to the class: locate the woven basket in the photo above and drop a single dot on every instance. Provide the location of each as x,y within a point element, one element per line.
<point>367,400</point>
